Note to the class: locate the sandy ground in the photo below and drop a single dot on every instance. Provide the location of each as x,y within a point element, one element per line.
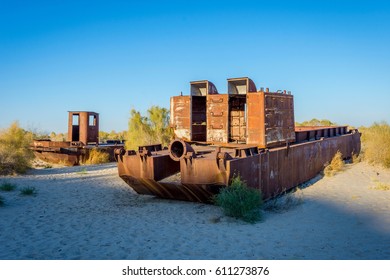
<point>88,212</point>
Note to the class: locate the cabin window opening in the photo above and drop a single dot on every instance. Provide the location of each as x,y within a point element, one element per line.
<point>75,119</point>
<point>92,120</point>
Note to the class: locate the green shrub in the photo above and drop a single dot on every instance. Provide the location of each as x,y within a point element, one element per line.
<point>7,187</point>
<point>15,153</point>
<point>376,144</point>
<point>337,164</point>
<point>97,156</point>
<point>239,201</point>
<point>28,191</point>
<point>148,130</point>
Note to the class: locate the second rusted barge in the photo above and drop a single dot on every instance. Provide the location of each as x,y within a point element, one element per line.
<point>83,137</point>
<point>247,131</point>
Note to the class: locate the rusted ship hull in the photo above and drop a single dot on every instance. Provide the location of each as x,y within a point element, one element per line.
<point>83,136</point>
<point>245,132</point>
<point>272,171</point>
<point>68,153</point>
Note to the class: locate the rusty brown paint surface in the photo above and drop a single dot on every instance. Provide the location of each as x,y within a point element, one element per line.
<point>217,118</point>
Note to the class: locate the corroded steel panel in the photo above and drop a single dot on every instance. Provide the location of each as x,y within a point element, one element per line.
<point>255,121</point>
<point>270,119</point>
<point>217,118</point>
<point>279,119</point>
<point>181,116</point>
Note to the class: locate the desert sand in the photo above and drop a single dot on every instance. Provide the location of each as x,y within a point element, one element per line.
<point>88,212</point>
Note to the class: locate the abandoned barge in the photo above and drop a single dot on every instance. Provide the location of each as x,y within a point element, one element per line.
<point>247,131</point>
<point>83,136</point>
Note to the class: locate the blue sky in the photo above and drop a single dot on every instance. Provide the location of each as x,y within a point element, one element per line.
<point>112,56</point>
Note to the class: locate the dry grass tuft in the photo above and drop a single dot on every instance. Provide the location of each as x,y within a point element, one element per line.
<point>337,164</point>
<point>379,186</point>
<point>97,156</point>
<point>376,144</point>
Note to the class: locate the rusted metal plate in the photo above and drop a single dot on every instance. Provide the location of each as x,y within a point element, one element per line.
<point>270,119</point>
<point>181,116</point>
<point>256,131</point>
<point>279,119</point>
<point>217,118</point>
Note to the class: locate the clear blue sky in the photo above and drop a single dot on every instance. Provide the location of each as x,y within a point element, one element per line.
<point>112,56</point>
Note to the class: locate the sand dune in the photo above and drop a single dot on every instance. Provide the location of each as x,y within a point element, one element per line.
<point>88,212</point>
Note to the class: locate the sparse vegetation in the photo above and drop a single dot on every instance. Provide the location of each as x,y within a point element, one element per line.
<point>15,155</point>
<point>113,135</point>
<point>336,165</point>
<point>28,191</point>
<point>239,201</point>
<point>97,156</point>
<point>7,187</point>
<point>379,186</point>
<point>376,144</point>
<point>149,130</point>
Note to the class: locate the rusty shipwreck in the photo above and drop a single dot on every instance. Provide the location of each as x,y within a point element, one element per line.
<point>83,136</point>
<point>247,131</point>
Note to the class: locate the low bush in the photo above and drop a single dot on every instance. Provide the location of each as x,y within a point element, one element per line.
<point>15,153</point>
<point>7,187</point>
<point>28,191</point>
<point>97,156</point>
<point>376,144</point>
<point>337,164</point>
<point>239,201</point>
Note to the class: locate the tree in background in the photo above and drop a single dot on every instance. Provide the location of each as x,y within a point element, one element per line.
<point>113,135</point>
<point>315,122</point>
<point>15,154</point>
<point>153,129</point>
<point>58,137</point>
